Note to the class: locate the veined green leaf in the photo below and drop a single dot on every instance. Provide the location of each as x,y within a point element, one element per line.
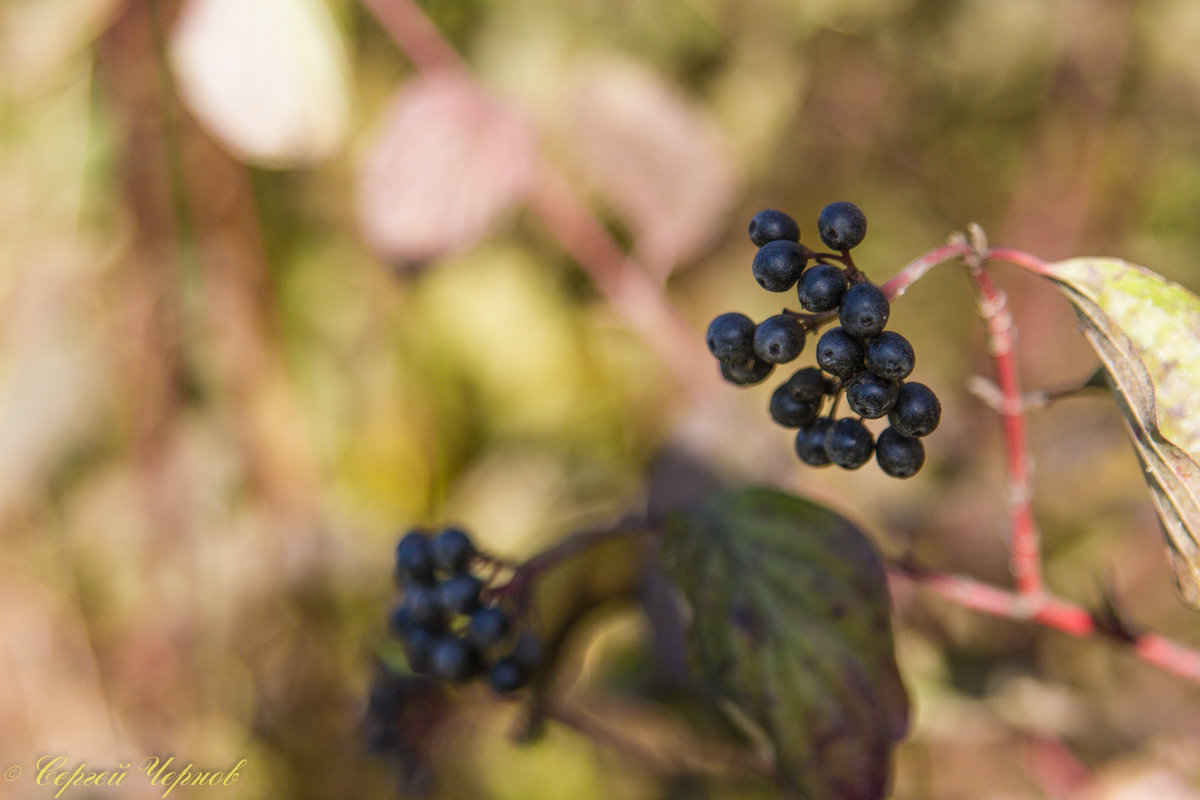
<point>791,624</point>
<point>1146,330</point>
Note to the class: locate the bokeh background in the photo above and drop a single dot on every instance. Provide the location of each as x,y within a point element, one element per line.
<point>278,279</point>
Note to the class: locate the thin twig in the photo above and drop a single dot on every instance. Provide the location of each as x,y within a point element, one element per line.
<point>1053,613</point>
<point>917,268</point>
<point>1001,334</point>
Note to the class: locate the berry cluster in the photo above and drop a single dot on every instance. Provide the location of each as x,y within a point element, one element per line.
<point>857,358</point>
<point>448,620</point>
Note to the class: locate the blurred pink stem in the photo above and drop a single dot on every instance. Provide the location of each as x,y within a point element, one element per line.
<point>625,283</point>
<point>415,34</point>
<point>1051,612</point>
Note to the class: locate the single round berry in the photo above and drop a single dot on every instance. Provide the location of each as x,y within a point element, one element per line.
<point>746,373</point>
<point>839,354</point>
<point>459,594</point>
<point>507,675</point>
<point>414,558</point>
<point>423,605</point>
<point>807,384</point>
<point>452,549</point>
<point>842,225</point>
<point>849,444</point>
<point>528,650</point>
<point>418,646</point>
<point>769,225</point>
<point>821,288</point>
<point>898,455</point>
<point>452,659</point>
<point>871,396</point>
<point>889,355</point>
<point>917,411</point>
<point>864,311</point>
<point>810,442</point>
<point>487,626</point>
<point>790,412</point>
<point>778,339</point>
<point>778,264</point>
<point>400,622</point>
<point>730,337</point>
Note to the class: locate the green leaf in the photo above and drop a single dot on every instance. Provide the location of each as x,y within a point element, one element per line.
<point>1146,330</point>
<point>791,623</point>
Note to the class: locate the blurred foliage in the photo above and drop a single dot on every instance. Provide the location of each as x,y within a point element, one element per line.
<point>218,404</point>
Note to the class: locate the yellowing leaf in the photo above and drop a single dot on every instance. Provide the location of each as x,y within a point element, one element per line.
<point>792,624</point>
<point>656,156</point>
<point>267,78</point>
<point>1146,330</point>
<point>448,162</point>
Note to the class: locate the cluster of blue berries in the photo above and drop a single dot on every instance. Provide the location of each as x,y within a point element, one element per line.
<point>449,621</point>
<point>857,358</point>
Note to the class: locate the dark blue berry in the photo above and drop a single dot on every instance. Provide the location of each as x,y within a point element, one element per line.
<point>849,444</point>
<point>507,675</point>
<point>418,646</point>
<point>400,621</point>
<point>452,549</point>
<point>528,650</point>
<point>452,659</point>
<point>889,355</point>
<point>842,225</point>
<point>459,594</point>
<point>839,354</point>
<point>917,411</point>
<point>778,264</point>
<point>864,311</point>
<point>778,339</point>
<point>414,558</point>
<point>790,412</point>
<point>898,455</point>
<point>821,288</point>
<point>731,337</point>
<point>746,373</point>
<point>810,442</point>
<point>871,396</point>
<point>807,384</point>
<point>769,225</point>
<point>487,626</point>
<point>423,605</point>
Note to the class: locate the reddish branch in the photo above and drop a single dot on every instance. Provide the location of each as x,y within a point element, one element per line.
<point>1054,613</point>
<point>1023,541</point>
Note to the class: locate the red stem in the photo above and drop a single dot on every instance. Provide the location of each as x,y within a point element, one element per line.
<point>1023,535</point>
<point>1053,613</point>
<point>916,268</point>
<point>1020,258</point>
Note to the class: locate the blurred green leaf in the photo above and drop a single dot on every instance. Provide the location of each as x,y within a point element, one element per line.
<point>791,623</point>
<point>1146,330</point>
